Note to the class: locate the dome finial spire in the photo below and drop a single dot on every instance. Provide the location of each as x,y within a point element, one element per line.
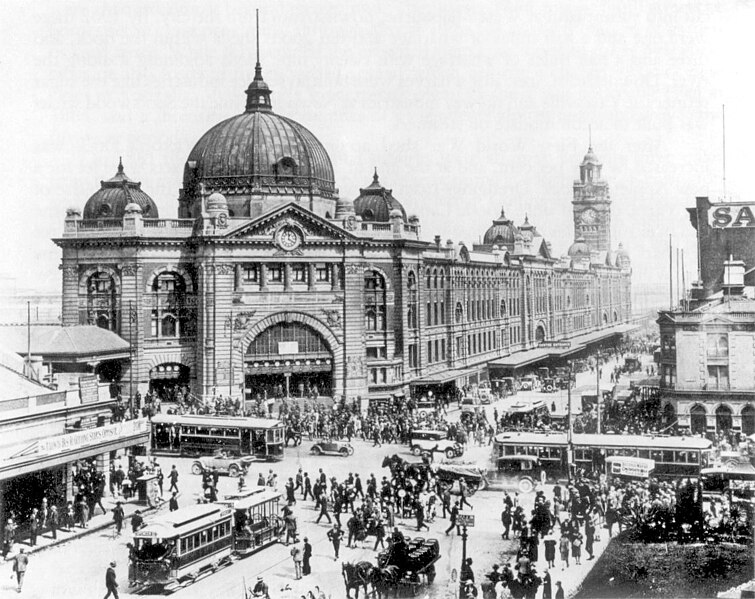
<point>375,177</point>
<point>120,165</point>
<point>589,137</point>
<point>258,93</point>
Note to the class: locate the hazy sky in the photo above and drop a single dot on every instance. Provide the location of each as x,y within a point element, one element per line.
<point>462,106</point>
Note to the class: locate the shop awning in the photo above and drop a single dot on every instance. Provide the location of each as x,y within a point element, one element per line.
<point>78,343</point>
<point>444,376</point>
<point>522,358</point>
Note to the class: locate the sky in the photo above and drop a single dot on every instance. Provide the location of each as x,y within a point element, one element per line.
<point>463,107</point>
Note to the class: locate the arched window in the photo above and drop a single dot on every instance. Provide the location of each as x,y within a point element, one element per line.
<point>718,345</point>
<point>723,419</point>
<point>459,313</point>
<point>428,278</point>
<point>435,278</point>
<point>748,420</point>
<point>503,308</point>
<point>102,302</point>
<point>171,317</point>
<point>374,301</point>
<point>698,420</point>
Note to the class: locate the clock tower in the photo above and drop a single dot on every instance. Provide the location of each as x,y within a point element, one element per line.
<point>592,205</point>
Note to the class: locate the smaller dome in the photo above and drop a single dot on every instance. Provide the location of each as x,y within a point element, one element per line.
<point>375,202</point>
<point>590,158</point>
<point>579,248</point>
<point>501,233</point>
<point>621,252</point>
<point>73,212</point>
<point>132,208</point>
<point>115,194</point>
<point>395,213</point>
<point>217,201</point>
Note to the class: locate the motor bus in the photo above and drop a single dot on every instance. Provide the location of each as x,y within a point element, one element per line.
<point>256,520</point>
<point>196,435</point>
<point>545,453</point>
<point>735,478</point>
<point>180,545</point>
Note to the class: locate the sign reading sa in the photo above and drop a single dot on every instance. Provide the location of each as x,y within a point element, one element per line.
<point>731,216</point>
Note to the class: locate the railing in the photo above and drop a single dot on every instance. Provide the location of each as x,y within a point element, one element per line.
<point>168,223</point>
<point>376,226</point>
<point>99,224</point>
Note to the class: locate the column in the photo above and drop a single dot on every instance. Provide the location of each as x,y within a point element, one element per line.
<point>336,273</point>
<point>69,482</point>
<point>311,276</point>
<point>237,277</point>
<point>263,277</point>
<point>286,277</point>
<point>103,467</point>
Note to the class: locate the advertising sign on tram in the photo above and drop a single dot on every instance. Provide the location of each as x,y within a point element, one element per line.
<point>628,466</point>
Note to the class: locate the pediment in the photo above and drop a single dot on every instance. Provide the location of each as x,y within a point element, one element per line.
<point>289,226</point>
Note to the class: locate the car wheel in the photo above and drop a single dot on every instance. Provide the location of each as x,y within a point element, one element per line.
<point>196,468</point>
<point>233,470</point>
<point>526,485</point>
<point>317,450</point>
<point>417,450</point>
<point>450,453</point>
<point>351,450</point>
<point>344,451</point>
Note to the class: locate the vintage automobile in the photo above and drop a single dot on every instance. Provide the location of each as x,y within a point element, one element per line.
<point>333,448</point>
<point>447,474</point>
<point>224,462</point>
<point>434,441</point>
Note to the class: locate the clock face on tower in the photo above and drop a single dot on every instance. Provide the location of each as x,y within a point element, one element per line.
<point>588,216</point>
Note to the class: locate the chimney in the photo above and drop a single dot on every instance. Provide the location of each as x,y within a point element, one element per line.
<point>437,242</point>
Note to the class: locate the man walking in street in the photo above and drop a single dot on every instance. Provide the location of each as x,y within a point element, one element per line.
<point>335,535</point>
<point>111,583</point>
<point>118,516</point>
<point>453,516</point>
<point>173,478</point>
<point>307,487</point>
<point>173,502</point>
<point>20,563</point>
<point>53,521</point>
<point>323,509</point>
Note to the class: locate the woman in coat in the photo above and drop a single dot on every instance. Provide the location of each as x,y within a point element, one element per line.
<point>563,546</point>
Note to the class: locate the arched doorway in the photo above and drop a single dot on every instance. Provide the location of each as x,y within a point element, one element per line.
<point>540,333</point>
<point>748,420</point>
<point>169,379</point>
<point>288,359</point>
<point>723,419</point>
<point>669,415</point>
<point>698,421</point>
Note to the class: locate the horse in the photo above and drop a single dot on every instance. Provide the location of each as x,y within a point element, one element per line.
<point>384,579</point>
<point>355,576</point>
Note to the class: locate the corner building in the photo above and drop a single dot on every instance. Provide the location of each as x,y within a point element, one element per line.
<point>269,279</point>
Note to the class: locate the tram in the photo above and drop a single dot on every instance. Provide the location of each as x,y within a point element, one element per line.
<point>256,523</point>
<point>180,545</point>
<point>196,435</point>
<point>175,549</point>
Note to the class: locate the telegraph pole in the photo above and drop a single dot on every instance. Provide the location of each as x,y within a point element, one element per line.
<point>597,396</point>
<point>131,319</point>
<point>569,443</point>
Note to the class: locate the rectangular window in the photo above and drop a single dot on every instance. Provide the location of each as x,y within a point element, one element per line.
<point>430,351</point>
<point>435,313</point>
<point>275,273</point>
<point>251,273</point>
<point>299,273</point>
<point>718,377</point>
<point>443,350</point>
<point>437,350</point>
<point>323,273</point>
<point>442,312</point>
<point>429,314</point>
<point>412,356</point>
<point>383,375</point>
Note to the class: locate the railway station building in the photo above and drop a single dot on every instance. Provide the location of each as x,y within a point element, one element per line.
<point>268,279</point>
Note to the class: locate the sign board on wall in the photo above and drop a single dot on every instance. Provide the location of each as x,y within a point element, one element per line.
<point>89,389</point>
<point>288,347</point>
<point>731,216</point>
<point>93,436</point>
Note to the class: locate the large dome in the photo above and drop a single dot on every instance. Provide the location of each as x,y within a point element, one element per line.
<point>115,194</point>
<point>258,152</point>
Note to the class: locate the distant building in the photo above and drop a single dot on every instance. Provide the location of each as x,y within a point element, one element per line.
<point>269,281</point>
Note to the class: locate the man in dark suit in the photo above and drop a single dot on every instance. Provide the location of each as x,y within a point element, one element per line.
<point>111,582</point>
<point>307,569</point>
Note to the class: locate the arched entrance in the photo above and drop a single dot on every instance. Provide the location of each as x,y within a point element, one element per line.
<point>723,419</point>
<point>540,333</point>
<point>168,379</point>
<point>288,359</point>
<point>698,422</point>
<point>669,415</point>
<point>748,420</point>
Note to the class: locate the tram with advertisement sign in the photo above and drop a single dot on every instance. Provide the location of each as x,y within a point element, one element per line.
<point>181,545</point>
<point>197,435</point>
<point>175,549</point>
<point>544,455</point>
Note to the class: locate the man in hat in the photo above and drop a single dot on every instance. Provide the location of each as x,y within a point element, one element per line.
<point>260,589</point>
<point>20,563</point>
<point>111,583</point>
<point>335,535</point>
<point>306,556</point>
<point>296,555</point>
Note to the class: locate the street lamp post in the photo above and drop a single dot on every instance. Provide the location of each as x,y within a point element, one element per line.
<point>569,431</point>
<point>131,324</point>
<point>598,396</point>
